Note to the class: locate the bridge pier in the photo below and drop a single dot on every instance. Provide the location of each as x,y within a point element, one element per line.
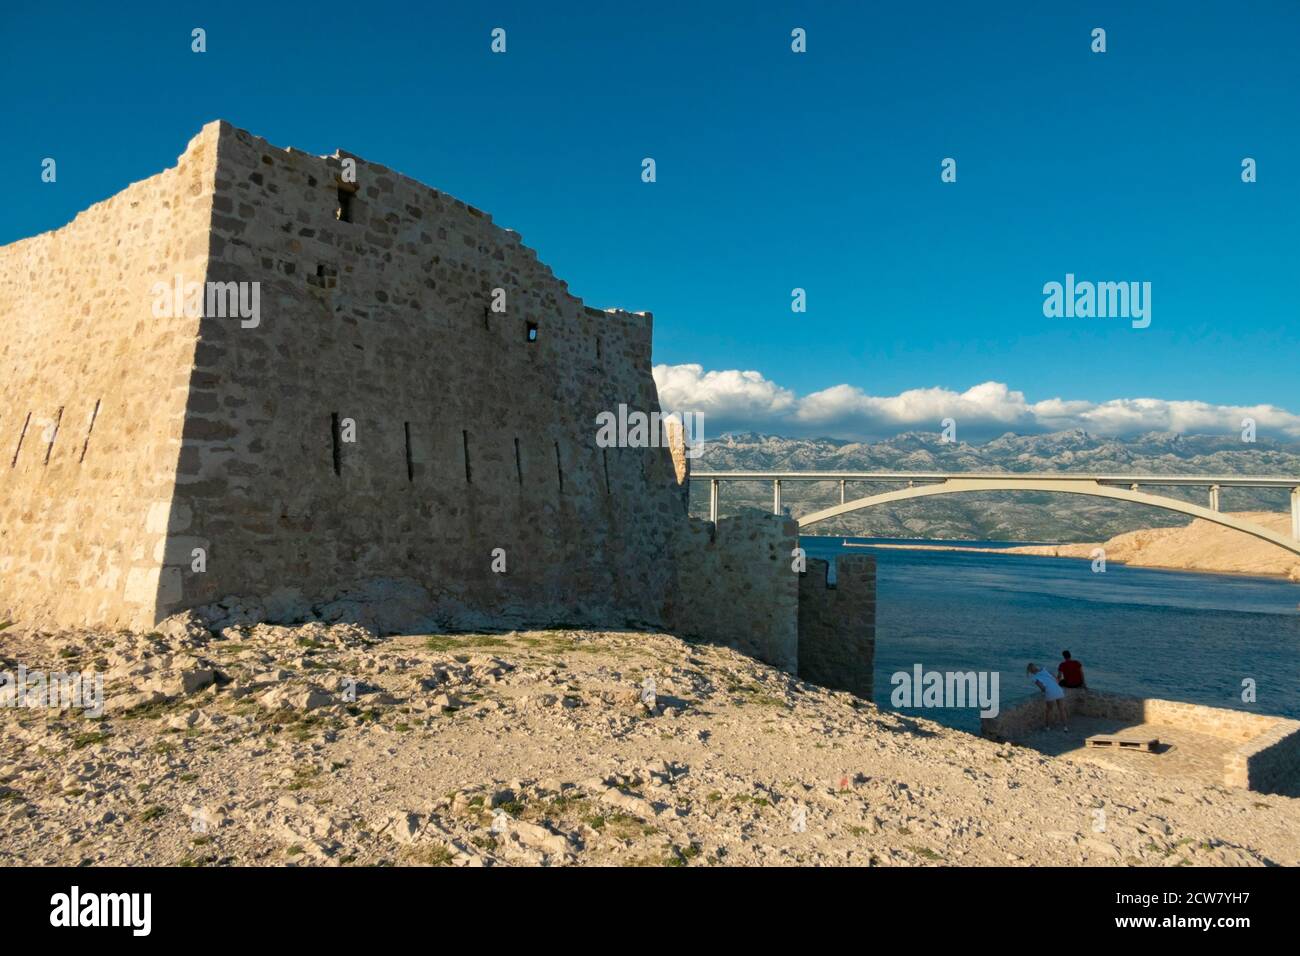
<point>776,496</point>
<point>713,500</point>
<point>842,484</point>
<point>1295,513</point>
<point>1214,498</point>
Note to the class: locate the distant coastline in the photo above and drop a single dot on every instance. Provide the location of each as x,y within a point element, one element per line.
<point>1200,546</point>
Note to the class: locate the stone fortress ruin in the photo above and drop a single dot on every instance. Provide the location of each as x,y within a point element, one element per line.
<point>400,428</point>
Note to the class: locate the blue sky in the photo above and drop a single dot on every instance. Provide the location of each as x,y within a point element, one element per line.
<point>775,171</point>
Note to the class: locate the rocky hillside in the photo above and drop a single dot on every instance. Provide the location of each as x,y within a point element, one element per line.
<point>1200,546</point>
<point>323,745</point>
<point>998,515</point>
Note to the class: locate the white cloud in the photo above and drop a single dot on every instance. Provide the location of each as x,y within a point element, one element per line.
<point>734,401</point>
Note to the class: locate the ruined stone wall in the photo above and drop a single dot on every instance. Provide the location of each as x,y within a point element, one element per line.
<point>475,430</point>
<point>1266,758</point>
<point>1268,762</point>
<point>93,390</point>
<point>1026,717</point>
<point>837,624</point>
<point>735,586</point>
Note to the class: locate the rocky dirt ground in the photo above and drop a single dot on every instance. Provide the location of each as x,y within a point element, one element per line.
<point>324,745</point>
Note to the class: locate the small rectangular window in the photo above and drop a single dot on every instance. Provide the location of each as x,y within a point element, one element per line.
<point>344,212</point>
<point>410,462</point>
<point>89,428</point>
<point>334,434</point>
<point>53,433</point>
<point>532,331</point>
<point>21,435</point>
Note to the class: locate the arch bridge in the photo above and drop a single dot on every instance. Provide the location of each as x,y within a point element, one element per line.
<point>1117,487</point>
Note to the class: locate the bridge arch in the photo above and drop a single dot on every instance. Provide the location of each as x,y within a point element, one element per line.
<point>1094,489</point>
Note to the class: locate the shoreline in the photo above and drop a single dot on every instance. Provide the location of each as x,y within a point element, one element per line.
<point>1201,546</point>
<point>1038,551</point>
<point>1079,552</point>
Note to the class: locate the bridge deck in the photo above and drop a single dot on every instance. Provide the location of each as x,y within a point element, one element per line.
<point>1205,481</point>
<point>921,484</point>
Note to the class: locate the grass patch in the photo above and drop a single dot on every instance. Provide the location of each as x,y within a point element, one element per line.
<point>450,642</point>
<point>153,813</point>
<point>433,854</point>
<point>144,711</point>
<point>621,826</point>
<point>754,694</point>
<point>925,853</point>
<point>682,855</point>
<point>88,740</point>
<point>304,778</point>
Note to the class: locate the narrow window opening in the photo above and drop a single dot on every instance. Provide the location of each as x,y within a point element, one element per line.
<point>90,428</point>
<point>54,433</point>
<point>465,436</point>
<point>334,434</point>
<point>344,212</point>
<point>519,463</point>
<point>21,435</point>
<point>604,455</point>
<point>597,348</point>
<point>410,462</point>
<point>559,468</point>
<point>531,331</point>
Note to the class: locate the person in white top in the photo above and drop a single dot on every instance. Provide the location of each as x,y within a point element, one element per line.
<point>1052,694</point>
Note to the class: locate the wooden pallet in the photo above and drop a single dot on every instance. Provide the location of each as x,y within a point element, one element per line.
<point>1144,744</point>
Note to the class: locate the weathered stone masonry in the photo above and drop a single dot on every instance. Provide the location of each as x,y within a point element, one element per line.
<point>93,396</point>
<point>474,429</point>
<point>837,623</point>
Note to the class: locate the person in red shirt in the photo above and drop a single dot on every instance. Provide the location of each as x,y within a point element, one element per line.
<point>1069,673</point>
